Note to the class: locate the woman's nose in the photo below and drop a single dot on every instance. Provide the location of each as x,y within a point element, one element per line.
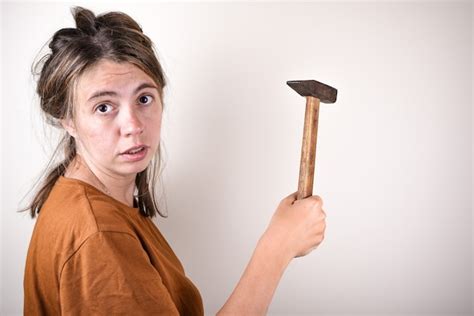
<point>132,123</point>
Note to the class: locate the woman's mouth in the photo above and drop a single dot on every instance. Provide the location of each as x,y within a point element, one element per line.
<point>135,154</point>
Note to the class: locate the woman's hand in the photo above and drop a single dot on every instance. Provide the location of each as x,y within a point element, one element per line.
<point>297,226</point>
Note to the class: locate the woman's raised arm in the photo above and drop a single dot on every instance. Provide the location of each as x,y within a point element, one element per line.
<point>296,228</point>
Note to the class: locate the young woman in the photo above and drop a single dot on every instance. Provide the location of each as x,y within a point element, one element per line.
<point>94,248</point>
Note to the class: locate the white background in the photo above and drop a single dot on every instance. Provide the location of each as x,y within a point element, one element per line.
<point>394,156</point>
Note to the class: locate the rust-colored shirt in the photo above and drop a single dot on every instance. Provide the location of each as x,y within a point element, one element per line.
<point>90,254</point>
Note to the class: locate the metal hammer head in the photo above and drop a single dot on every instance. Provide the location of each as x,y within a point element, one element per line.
<point>323,92</point>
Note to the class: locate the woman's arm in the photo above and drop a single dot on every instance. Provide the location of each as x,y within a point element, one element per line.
<point>296,228</point>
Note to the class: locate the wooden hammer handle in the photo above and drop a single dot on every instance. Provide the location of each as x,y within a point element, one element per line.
<point>308,149</point>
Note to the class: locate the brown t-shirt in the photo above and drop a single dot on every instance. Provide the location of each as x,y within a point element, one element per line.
<point>91,254</point>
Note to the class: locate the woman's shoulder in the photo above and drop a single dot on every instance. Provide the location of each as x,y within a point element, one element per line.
<point>81,208</point>
<point>74,213</point>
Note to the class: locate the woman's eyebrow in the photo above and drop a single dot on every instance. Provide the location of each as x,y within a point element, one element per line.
<point>102,93</point>
<point>99,94</point>
<point>144,86</point>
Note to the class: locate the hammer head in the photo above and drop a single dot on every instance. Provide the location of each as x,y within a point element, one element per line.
<point>323,92</point>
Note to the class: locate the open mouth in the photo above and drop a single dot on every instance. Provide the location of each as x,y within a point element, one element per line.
<point>136,154</point>
<point>135,151</point>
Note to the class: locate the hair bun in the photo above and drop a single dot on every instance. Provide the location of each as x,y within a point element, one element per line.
<point>118,20</point>
<point>62,37</point>
<point>85,20</point>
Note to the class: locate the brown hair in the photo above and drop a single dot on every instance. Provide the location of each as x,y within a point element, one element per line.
<point>114,36</point>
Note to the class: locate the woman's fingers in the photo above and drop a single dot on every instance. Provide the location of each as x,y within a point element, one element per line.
<point>300,224</point>
<point>290,199</point>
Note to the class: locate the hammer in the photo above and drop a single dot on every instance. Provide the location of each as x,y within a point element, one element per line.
<point>314,92</point>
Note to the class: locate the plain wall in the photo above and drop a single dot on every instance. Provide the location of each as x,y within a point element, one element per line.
<point>394,155</point>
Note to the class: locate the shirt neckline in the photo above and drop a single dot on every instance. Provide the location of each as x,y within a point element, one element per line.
<point>88,185</point>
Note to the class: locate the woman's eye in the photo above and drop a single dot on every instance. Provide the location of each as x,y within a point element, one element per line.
<point>145,99</point>
<point>102,108</point>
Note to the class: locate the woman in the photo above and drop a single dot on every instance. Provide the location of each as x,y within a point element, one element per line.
<point>94,248</point>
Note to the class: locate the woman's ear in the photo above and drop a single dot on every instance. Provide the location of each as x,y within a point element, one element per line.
<point>69,126</point>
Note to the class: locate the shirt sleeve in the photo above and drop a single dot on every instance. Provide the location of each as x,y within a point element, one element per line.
<point>111,274</point>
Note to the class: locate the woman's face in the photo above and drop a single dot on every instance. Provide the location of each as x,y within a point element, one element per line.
<point>117,106</point>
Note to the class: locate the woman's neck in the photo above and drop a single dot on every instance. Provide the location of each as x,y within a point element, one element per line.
<point>120,189</point>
